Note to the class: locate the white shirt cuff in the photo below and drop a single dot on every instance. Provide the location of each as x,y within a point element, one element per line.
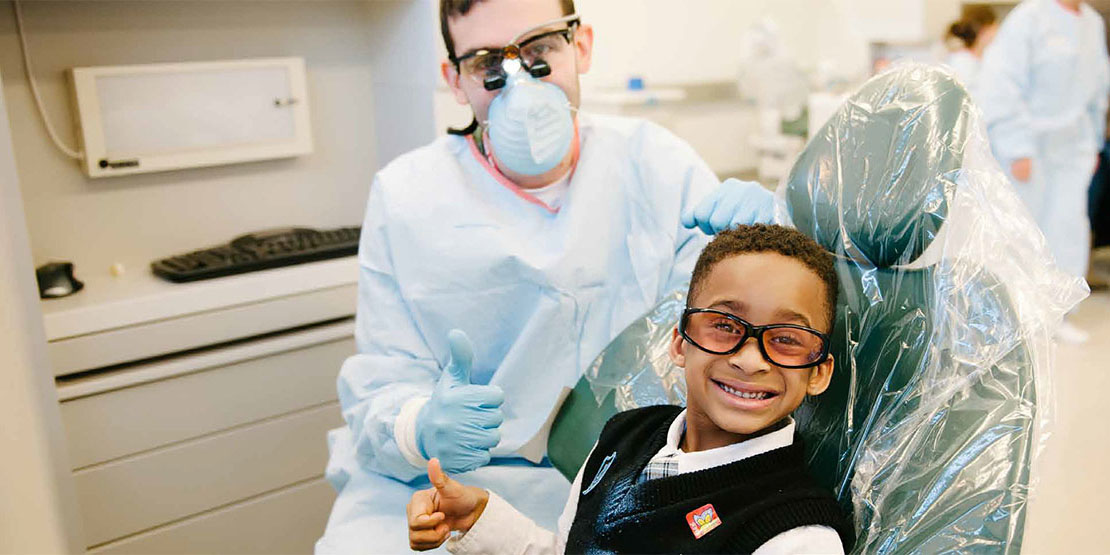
<point>813,539</point>
<point>503,529</point>
<point>404,432</point>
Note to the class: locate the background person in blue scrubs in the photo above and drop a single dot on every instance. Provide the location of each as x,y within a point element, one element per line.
<point>1044,90</point>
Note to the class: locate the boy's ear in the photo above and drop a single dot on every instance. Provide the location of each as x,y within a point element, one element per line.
<point>678,355</point>
<point>820,376</point>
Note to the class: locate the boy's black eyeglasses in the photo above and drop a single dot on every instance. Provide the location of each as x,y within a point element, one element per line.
<point>785,345</point>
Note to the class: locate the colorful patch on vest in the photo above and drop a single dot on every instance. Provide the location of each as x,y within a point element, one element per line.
<point>703,520</point>
<point>605,464</point>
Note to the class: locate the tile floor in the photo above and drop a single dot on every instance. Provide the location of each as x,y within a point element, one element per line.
<point>1070,510</point>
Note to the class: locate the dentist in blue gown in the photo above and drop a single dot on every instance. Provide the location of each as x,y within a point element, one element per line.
<point>497,262</point>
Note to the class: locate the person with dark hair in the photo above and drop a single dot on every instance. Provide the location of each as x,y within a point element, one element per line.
<point>725,475</point>
<point>498,261</point>
<point>974,31</point>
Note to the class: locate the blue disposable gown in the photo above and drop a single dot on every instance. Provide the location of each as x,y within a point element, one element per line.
<point>449,243</point>
<point>1043,89</point>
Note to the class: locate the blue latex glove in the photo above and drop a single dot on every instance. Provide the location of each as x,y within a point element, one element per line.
<point>734,203</point>
<point>459,423</point>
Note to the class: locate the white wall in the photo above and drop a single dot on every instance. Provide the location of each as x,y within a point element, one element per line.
<point>36,489</point>
<point>364,108</point>
<point>692,41</point>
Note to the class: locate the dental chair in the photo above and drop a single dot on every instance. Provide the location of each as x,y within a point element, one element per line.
<point>948,300</point>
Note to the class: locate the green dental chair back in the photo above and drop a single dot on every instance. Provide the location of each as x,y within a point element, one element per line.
<point>931,410</point>
<point>927,430</point>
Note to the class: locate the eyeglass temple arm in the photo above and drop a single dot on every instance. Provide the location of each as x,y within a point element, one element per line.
<point>564,19</point>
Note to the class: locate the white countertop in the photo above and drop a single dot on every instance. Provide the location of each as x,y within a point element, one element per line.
<point>139,296</point>
<point>625,97</point>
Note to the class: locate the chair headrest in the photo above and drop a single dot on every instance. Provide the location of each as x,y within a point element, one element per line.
<point>873,184</point>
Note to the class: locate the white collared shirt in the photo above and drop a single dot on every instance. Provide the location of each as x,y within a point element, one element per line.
<point>503,529</point>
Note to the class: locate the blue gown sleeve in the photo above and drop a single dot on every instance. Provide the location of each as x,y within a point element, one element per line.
<point>1003,82</point>
<point>393,365</point>
<point>690,242</point>
<point>696,180</point>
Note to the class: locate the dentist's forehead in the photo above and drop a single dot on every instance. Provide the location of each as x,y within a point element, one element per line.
<point>494,23</point>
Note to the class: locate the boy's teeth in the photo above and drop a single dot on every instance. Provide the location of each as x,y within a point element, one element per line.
<point>743,395</point>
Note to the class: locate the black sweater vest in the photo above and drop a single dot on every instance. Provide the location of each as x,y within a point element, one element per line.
<point>755,499</point>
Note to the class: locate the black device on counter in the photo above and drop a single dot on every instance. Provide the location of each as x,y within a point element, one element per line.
<point>56,280</point>
<point>262,250</point>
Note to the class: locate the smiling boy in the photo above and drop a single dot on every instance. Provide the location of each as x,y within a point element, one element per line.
<point>728,473</point>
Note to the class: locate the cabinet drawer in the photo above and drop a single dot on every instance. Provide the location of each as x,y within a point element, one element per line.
<point>286,521</point>
<point>221,390</point>
<point>140,492</point>
<point>146,340</point>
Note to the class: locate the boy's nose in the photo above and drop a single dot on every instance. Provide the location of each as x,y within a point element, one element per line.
<point>749,359</point>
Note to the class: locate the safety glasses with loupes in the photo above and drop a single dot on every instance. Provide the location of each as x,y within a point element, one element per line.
<point>492,67</point>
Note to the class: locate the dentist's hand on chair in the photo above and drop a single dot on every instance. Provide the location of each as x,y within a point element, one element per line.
<point>734,203</point>
<point>448,505</point>
<point>460,422</point>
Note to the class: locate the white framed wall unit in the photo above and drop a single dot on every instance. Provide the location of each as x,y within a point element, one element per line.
<point>159,117</point>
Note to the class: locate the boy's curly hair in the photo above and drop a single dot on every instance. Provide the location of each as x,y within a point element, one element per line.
<point>768,238</point>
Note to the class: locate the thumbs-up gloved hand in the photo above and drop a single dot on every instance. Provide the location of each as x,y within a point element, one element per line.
<point>448,505</point>
<point>459,423</point>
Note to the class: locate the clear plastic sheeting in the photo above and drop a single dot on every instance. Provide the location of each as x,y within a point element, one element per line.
<point>941,396</point>
<point>636,364</point>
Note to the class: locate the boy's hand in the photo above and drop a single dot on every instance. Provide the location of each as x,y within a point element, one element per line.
<point>433,513</point>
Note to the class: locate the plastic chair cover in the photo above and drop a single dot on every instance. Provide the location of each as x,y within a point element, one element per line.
<point>941,395</point>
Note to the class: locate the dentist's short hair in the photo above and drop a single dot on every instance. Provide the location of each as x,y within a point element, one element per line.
<point>456,8</point>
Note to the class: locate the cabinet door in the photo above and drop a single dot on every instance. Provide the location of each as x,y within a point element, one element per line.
<point>286,521</point>
<point>213,391</point>
<point>143,491</point>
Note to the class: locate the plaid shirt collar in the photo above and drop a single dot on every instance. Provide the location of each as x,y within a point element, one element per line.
<point>671,460</point>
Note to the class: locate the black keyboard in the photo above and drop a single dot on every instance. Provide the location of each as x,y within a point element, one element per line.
<point>272,248</point>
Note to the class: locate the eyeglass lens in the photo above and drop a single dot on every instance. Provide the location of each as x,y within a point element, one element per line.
<point>785,346</point>
<point>546,46</point>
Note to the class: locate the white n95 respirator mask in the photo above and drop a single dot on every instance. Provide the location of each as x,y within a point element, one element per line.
<point>530,127</point>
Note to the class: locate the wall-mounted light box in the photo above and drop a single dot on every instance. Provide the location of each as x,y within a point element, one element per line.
<point>159,117</point>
